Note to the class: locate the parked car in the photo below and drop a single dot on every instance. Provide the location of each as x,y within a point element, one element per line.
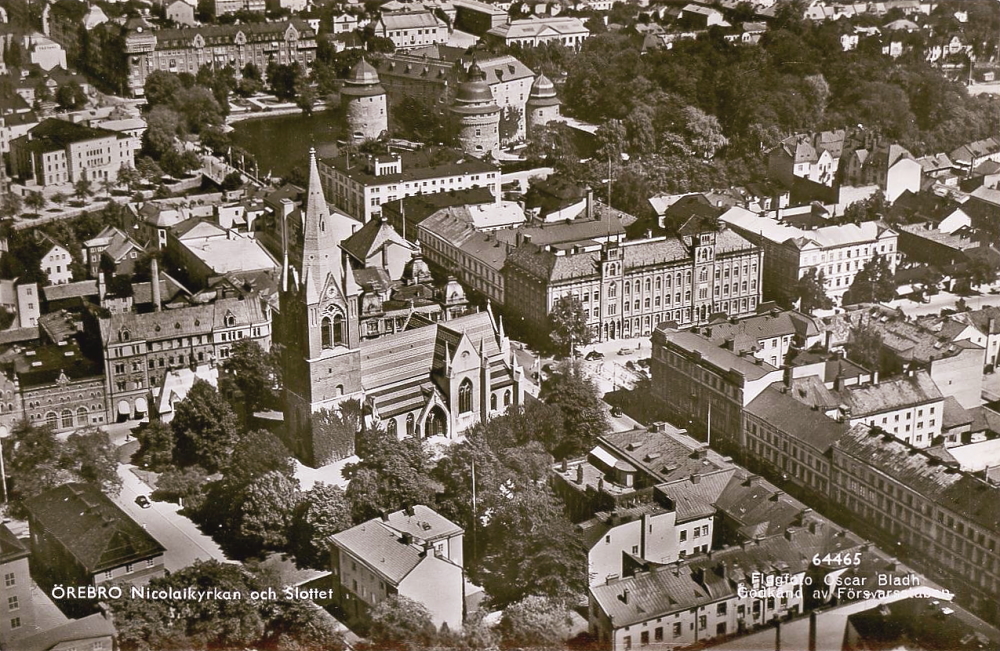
<point>616,411</point>
<point>143,501</point>
<point>594,355</point>
<point>624,351</point>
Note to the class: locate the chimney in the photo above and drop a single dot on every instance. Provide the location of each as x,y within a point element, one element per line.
<point>590,202</point>
<point>409,510</point>
<point>154,272</point>
<point>777,635</point>
<point>992,322</point>
<point>385,516</point>
<point>600,485</point>
<point>695,478</point>
<point>579,474</point>
<point>875,377</point>
<point>563,466</point>
<point>624,597</point>
<point>407,539</point>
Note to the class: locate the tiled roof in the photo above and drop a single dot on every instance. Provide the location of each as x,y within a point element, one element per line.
<point>530,27</point>
<point>455,226</point>
<point>381,549</point>
<point>56,135</point>
<point>757,506</point>
<point>423,164</point>
<point>921,623</point>
<point>370,238</point>
<point>746,332</point>
<point>94,529</point>
<point>949,488</point>
<point>752,369</point>
<point>424,524</point>
<point>693,500</point>
<point>410,20</point>
<point>185,321</point>
<point>906,391</point>
<point>796,419</point>
<point>662,456</point>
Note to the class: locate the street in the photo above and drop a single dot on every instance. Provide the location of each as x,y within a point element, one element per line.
<point>184,542</point>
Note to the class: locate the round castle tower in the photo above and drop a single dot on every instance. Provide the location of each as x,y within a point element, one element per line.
<point>478,114</point>
<point>543,105</point>
<point>367,117</point>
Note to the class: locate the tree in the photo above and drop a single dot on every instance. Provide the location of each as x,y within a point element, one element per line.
<point>584,414</point>
<point>569,323</point>
<point>810,292</point>
<point>322,512</point>
<point>91,456</point>
<point>233,181</point>
<point>204,428</point>
<point>161,88</point>
<point>266,511</point>
<point>532,549</point>
<point>703,132</point>
<point>70,96</point>
<point>82,189</point>
<point>128,177</point>
<point>156,445</point>
<point>400,623</point>
<point>334,431</point>
<point>162,125</point>
<point>874,283</point>
<point>305,96</point>
<point>510,123</point>
<point>283,79</point>
<point>865,346</point>
<point>390,474</point>
<point>10,205</point>
<point>254,372</point>
<point>31,456</point>
<point>536,623</point>
<point>35,200</point>
<point>256,454</point>
<point>979,271</point>
<point>185,486</point>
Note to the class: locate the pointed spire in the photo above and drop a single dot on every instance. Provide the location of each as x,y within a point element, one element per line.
<point>447,359</point>
<point>503,335</point>
<point>482,348</point>
<point>321,256</point>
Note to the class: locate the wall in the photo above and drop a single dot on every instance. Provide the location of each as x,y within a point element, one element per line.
<point>438,585</point>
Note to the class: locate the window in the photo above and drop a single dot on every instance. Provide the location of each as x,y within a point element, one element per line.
<point>658,634</point>
<point>15,622</point>
<point>129,568</point>
<point>390,427</point>
<point>465,397</point>
<point>493,402</point>
<point>12,603</point>
<point>684,536</point>
<point>677,630</point>
<point>721,609</point>
<point>150,562</point>
<point>702,622</point>
<point>409,424</point>
<point>9,580</point>
<point>628,641</point>
<point>506,398</point>
<point>644,638</point>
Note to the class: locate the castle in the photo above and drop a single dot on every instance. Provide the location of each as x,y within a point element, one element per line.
<point>430,379</point>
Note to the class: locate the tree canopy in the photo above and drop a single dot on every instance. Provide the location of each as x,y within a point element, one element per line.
<point>874,283</point>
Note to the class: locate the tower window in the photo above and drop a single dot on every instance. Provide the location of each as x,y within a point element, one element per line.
<point>338,330</point>
<point>326,330</point>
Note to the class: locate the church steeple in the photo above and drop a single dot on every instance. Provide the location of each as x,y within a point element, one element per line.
<point>322,259</point>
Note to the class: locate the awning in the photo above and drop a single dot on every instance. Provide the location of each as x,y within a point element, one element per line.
<point>140,405</point>
<point>124,408</point>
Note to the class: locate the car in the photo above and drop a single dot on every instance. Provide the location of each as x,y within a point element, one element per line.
<point>616,411</point>
<point>624,351</point>
<point>143,501</point>
<point>594,355</point>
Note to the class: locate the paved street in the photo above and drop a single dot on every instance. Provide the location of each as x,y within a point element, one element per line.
<point>184,542</point>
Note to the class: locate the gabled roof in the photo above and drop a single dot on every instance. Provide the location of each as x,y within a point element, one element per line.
<point>372,237</point>
<point>423,523</point>
<point>98,534</point>
<point>11,549</point>
<point>796,419</point>
<point>189,320</point>
<point>897,393</point>
<point>410,20</point>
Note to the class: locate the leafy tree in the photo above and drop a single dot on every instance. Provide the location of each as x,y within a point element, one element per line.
<point>31,457</point>
<point>873,283</point>
<point>584,417</point>
<point>35,200</point>
<point>10,205</point>
<point>866,210</point>
<point>420,119</point>
<point>510,122</point>
<point>305,96</point>
<point>611,139</point>
<point>255,372</point>
<point>334,431</point>
<point>162,125</point>
<point>156,445</point>
<point>148,169</point>
<point>703,132</point>
<point>91,456</point>
<point>233,181</point>
<point>525,558</point>
<point>266,511</point>
<point>400,623</point>
<point>569,323</point>
<point>283,79</point>
<point>186,486</point>
<point>256,454</point>
<point>536,623</point>
<point>161,88</point>
<point>865,346</point>
<point>978,271</point>
<point>70,96</point>
<point>322,512</point>
<point>389,475</point>
<point>59,198</point>
<point>810,292</point>
<point>204,428</point>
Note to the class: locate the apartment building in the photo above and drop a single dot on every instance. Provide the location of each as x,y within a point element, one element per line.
<point>19,615</point>
<point>564,30</point>
<point>840,252</point>
<point>361,185</point>
<point>412,29</point>
<point>55,262</point>
<point>57,152</point>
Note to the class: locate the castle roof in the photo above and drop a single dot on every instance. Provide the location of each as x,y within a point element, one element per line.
<point>543,92</point>
<point>363,81</point>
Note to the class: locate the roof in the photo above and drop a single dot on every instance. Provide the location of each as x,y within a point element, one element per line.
<point>725,360</point>
<point>55,135</point>
<point>745,333</point>
<point>372,237</point>
<point>537,26</point>
<point>223,34</point>
<point>960,492</point>
<point>424,164</point>
<point>424,524</point>
<point>915,389</point>
<point>75,630</point>
<point>11,549</point>
<point>825,237</point>
<point>455,225</point>
<point>78,289</point>
<point>665,456</point>
<point>796,419</point>
<point>189,320</point>
<point>98,534</point>
<point>921,623</point>
<point>410,20</point>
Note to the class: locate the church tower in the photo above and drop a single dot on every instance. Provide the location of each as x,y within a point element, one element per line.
<point>319,312</point>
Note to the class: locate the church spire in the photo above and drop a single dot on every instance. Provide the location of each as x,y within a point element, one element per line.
<point>321,255</point>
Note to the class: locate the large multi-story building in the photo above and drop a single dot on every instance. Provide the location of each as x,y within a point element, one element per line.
<point>627,288</point>
<point>140,349</point>
<point>412,29</point>
<point>361,185</point>
<point>18,618</point>
<point>564,30</point>
<point>414,553</point>
<point>839,252</point>
<point>57,152</point>
<point>190,48</point>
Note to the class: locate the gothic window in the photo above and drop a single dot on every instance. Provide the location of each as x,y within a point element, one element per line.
<point>506,398</point>
<point>390,427</point>
<point>465,396</point>
<point>338,330</point>
<point>493,402</point>
<point>326,329</point>
<point>409,425</point>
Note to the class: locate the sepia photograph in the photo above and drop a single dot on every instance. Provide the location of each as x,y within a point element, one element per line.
<point>499,325</point>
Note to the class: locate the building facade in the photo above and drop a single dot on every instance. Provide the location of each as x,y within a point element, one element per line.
<point>412,29</point>
<point>367,113</point>
<point>18,619</point>
<point>55,263</point>
<point>477,113</point>
<point>628,288</point>
<point>58,152</point>
<point>564,30</point>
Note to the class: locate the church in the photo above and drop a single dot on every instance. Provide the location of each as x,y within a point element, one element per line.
<point>432,379</point>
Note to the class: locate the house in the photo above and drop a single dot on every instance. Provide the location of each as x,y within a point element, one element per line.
<point>181,13</point>
<point>56,152</point>
<point>564,30</point>
<point>891,167</point>
<point>378,245</point>
<point>412,29</point>
<point>344,22</point>
<point>113,246</point>
<point>811,156</point>
<point>79,537</point>
<point>55,262</point>
<point>924,623</point>
<point>205,252</point>
<point>414,553</point>
<point>22,300</point>
<point>18,618</point>
<point>971,155</point>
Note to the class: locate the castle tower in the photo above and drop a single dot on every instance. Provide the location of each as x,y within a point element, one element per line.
<point>478,114</point>
<point>367,117</point>
<point>320,321</point>
<point>543,105</point>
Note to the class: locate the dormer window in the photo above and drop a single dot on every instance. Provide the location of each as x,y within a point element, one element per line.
<point>124,335</point>
<point>230,320</point>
